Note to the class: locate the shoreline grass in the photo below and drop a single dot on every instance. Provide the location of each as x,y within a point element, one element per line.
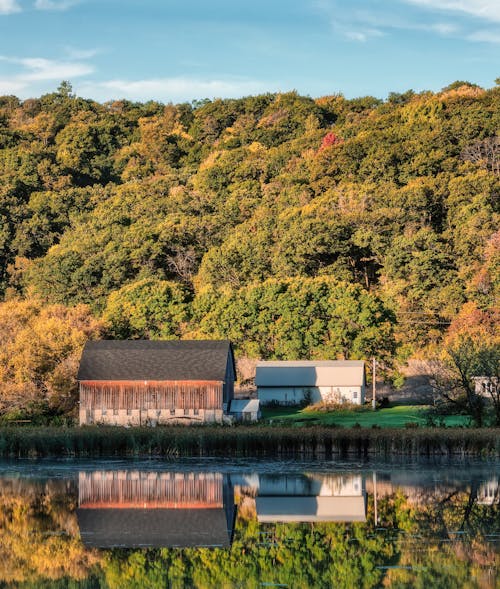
<point>245,441</point>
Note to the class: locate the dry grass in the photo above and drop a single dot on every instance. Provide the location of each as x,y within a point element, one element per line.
<point>254,441</point>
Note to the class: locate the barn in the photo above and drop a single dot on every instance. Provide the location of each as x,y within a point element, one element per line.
<point>291,383</point>
<point>142,382</point>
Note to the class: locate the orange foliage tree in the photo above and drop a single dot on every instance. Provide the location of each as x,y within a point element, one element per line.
<point>471,350</point>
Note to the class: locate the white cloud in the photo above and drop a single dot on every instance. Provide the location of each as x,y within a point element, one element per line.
<point>486,9</point>
<point>172,89</point>
<point>484,36</point>
<point>9,7</point>
<point>11,86</point>
<point>54,4</point>
<point>74,53</point>
<point>362,35</point>
<point>39,68</point>
<point>36,75</point>
<point>363,23</point>
<point>356,36</point>
<point>445,28</point>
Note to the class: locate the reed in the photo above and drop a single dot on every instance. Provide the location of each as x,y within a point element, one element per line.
<point>251,441</point>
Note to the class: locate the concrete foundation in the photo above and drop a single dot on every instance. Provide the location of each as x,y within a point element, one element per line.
<point>149,417</point>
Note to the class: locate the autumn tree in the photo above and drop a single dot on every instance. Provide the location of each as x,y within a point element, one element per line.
<point>471,350</point>
<point>40,348</point>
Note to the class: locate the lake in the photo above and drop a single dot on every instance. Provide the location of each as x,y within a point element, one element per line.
<point>242,523</point>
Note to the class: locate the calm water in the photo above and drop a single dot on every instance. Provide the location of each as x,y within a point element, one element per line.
<point>212,523</point>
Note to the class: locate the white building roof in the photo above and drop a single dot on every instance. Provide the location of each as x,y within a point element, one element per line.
<point>244,406</point>
<point>311,373</point>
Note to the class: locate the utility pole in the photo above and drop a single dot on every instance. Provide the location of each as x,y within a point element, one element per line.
<point>374,385</point>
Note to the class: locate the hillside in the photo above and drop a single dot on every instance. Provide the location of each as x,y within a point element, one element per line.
<point>296,227</point>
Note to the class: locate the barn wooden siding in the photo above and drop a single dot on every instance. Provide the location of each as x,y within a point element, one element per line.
<point>132,395</point>
<point>124,489</point>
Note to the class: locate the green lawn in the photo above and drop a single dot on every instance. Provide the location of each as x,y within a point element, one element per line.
<point>390,417</point>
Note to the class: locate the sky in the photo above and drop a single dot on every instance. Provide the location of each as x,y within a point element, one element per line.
<point>183,50</point>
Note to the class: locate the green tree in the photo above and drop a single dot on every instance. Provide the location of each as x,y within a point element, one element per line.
<point>148,309</point>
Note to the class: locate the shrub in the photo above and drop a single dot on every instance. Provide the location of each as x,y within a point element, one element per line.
<point>411,425</point>
<point>307,400</point>
<point>327,406</point>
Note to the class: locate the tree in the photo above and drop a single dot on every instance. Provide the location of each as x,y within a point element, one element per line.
<point>298,318</point>
<point>65,90</point>
<point>40,349</point>
<point>147,309</point>
<point>486,153</point>
<point>472,349</point>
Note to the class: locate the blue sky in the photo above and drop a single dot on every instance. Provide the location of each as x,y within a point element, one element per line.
<point>178,50</point>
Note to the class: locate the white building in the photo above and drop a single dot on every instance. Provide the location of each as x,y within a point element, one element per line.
<point>245,409</point>
<point>486,386</point>
<point>291,383</point>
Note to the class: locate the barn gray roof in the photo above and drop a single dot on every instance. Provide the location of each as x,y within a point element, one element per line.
<point>155,360</point>
<point>135,528</point>
<point>340,373</point>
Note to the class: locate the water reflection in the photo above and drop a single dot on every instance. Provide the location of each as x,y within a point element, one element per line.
<point>311,498</point>
<point>132,508</point>
<point>103,525</point>
<point>155,509</point>
<point>489,492</point>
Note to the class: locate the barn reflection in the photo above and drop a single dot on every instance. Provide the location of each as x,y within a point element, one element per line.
<point>133,509</point>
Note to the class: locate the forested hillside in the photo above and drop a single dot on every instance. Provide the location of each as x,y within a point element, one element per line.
<point>296,227</point>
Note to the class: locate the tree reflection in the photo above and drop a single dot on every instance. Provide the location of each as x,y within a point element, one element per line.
<point>427,536</point>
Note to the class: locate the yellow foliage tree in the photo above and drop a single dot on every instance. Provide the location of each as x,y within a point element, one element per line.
<point>40,347</point>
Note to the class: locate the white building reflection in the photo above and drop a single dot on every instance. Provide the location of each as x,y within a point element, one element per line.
<point>489,492</point>
<point>311,498</point>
